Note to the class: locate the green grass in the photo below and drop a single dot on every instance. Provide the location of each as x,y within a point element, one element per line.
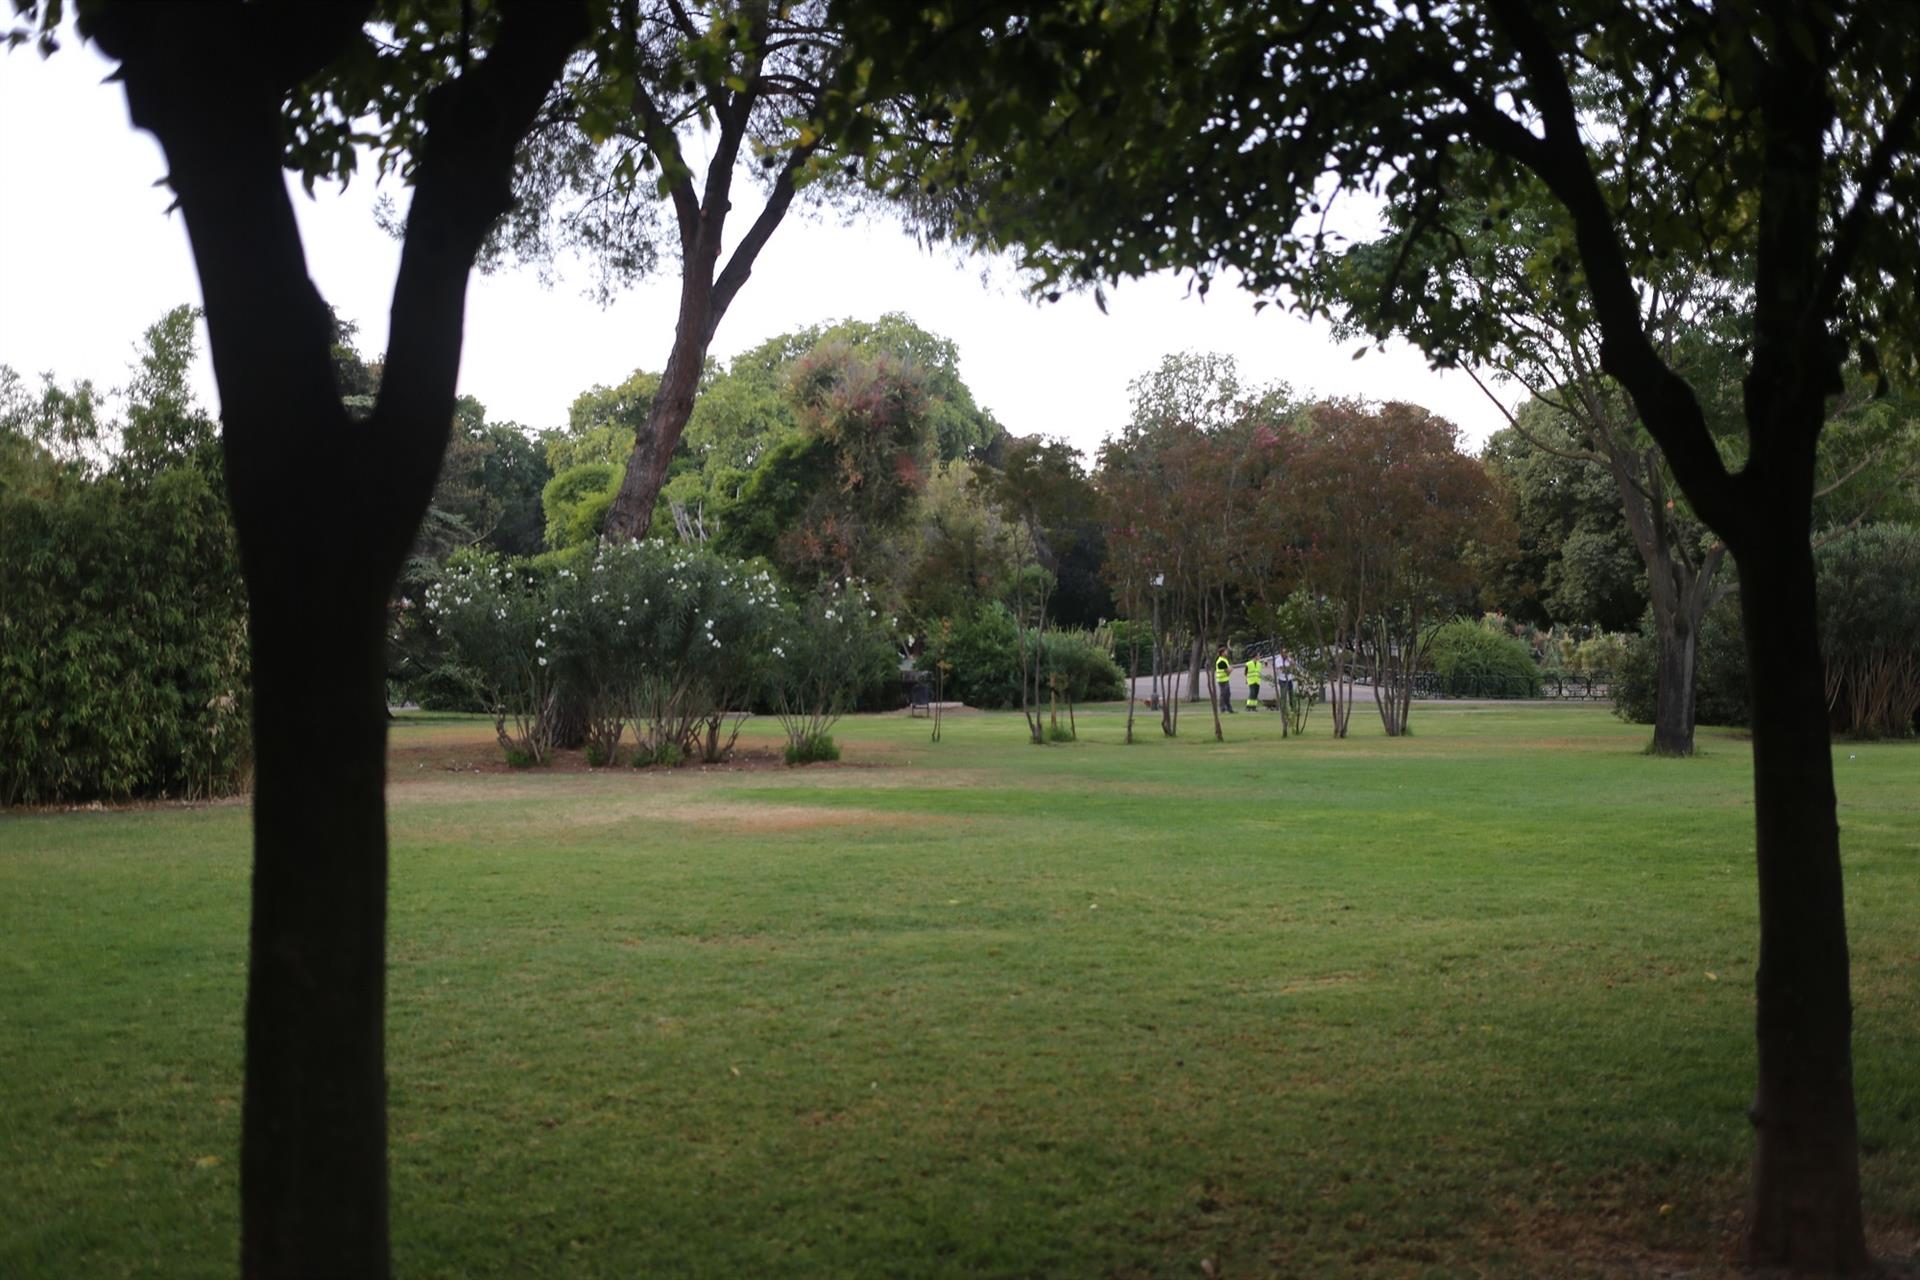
<point>1476,999</point>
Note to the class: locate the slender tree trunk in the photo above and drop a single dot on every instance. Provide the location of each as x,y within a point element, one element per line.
<point>1805,1210</point>
<point>1133,661</point>
<point>631,514</point>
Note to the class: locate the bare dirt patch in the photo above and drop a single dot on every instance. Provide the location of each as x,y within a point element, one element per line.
<point>420,763</point>
<point>781,819</point>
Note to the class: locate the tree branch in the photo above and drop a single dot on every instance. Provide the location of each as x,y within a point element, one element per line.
<point>740,263</point>
<point>665,143</point>
<point>462,185</point>
<point>1667,405</point>
<point>1846,243</point>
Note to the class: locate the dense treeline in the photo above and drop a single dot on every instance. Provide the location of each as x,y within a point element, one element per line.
<point>1341,536</point>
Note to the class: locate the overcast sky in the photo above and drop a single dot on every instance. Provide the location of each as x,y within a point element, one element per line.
<point>90,258</point>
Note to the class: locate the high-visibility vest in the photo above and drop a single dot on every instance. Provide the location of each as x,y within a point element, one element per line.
<point>1253,673</point>
<point>1222,670</point>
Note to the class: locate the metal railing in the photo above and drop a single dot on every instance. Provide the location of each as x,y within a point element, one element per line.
<point>1593,686</point>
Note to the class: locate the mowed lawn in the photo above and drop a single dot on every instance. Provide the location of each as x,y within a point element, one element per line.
<point>1474,1002</point>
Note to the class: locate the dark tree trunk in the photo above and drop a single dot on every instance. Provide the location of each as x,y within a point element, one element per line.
<point>325,508</point>
<point>1805,1211</point>
<point>313,1171</point>
<point>631,514</point>
<point>1674,700</point>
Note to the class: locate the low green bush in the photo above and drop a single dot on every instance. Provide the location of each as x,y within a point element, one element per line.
<point>985,652</point>
<point>1475,661</point>
<point>667,755</point>
<point>815,749</point>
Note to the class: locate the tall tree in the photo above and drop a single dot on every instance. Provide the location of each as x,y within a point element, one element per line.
<point>1041,487</point>
<point>1497,291</point>
<point>233,93</point>
<point>1759,142</point>
<point>1388,512</point>
<point>741,82</point>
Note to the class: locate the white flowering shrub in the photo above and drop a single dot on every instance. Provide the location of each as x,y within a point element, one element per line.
<point>597,642</point>
<point>675,642</point>
<point>501,621</point>
<point>708,626</point>
<point>828,648</point>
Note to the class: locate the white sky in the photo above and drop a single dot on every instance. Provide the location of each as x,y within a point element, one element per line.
<point>89,258</point>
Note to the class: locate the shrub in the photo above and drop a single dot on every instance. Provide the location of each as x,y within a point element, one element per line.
<point>667,755</point>
<point>1476,661</point>
<point>700,629</point>
<point>1870,628</point>
<point>816,749</point>
<point>985,652</point>
<point>829,647</point>
<point>123,635</point>
<point>1057,732</point>
<point>499,618</point>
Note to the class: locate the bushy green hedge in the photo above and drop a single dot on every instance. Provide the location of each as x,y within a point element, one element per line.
<point>123,639</point>
<point>985,652</point>
<point>1476,661</point>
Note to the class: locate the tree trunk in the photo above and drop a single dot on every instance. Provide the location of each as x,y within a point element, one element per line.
<point>631,514</point>
<point>1805,1211</point>
<point>313,1169</point>
<point>1674,700</point>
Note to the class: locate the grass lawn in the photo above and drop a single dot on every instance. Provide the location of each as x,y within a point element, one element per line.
<point>1474,1002</point>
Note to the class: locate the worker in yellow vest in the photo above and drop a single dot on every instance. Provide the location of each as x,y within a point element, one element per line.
<point>1223,680</point>
<point>1253,684</point>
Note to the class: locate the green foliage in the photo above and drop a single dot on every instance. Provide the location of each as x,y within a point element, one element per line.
<point>1084,665</point>
<point>1473,660</point>
<point>575,502</point>
<point>665,754</point>
<point>774,496</point>
<point>1576,561</point>
<point>965,549</point>
<point>985,652</point>
<point>123,636</point>
<point>674,642</point>
<point>1869,591</point>
<point>817,749</point>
